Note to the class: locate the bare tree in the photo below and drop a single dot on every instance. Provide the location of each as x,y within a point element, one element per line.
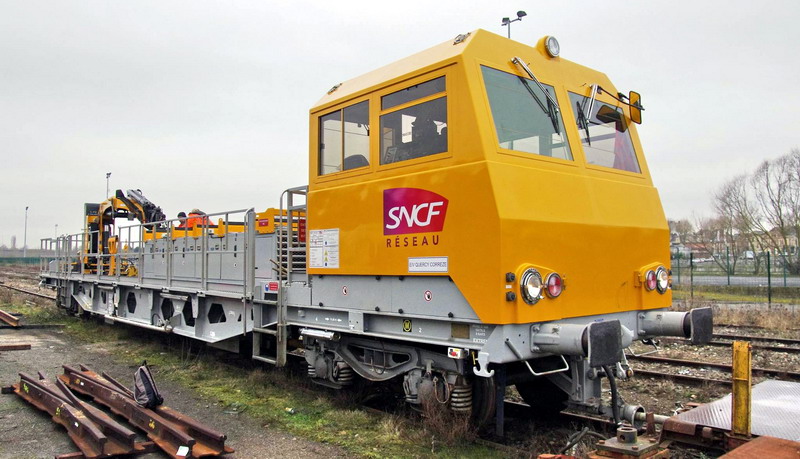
<point>740,218</point>
<point>757,212</point>
<point>716,236</point>
<point>776,187</point>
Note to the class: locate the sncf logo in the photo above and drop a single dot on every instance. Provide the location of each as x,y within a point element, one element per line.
<point>412,210</point>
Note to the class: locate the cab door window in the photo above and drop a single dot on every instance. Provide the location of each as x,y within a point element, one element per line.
<point>418,127</point>
<point>344,139</point>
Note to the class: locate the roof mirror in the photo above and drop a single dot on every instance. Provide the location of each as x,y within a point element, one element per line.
<point>635,101</point>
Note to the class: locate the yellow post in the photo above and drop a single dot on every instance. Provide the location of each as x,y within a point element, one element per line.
<point>742,379</point>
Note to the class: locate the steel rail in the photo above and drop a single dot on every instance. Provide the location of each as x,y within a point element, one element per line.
<point>177,435</point>
<point>684,379</point>
<point>788,375</point>
<point>159,430</point>
<point>193,426</point>
<point>94,432</point>
<point>14,347</point>
<point>754,327</point>
<point>111,428</point>
<point>3,284</point>
<point>790,350</point>
<point>9,319</point>
<point>760,339</point>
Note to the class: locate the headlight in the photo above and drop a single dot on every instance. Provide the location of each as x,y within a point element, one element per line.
<point>552,46</point>
<point>554,284</point>
<point>662,279</point>
<point>650,280</point>
<point>530,285</point>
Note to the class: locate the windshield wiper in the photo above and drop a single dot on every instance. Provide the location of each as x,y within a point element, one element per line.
<point>583,115</point>
<point>552,107</point>
<point>583,122</point>
<point>592,98</point>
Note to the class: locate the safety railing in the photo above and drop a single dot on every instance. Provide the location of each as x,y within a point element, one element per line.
<point>123,254</point>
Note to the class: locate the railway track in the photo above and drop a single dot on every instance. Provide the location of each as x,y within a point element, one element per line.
<point>752,327</point>
<point>689,380</point>
<point>761,339</point>
<point>790,350</point>
<point>784,345</point>
<point>770,372</point>
<point>28,292</point>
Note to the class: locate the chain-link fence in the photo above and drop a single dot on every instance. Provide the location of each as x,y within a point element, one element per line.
<point>750,276</point>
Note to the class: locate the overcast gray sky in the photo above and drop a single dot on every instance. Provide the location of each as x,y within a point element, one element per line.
<point>205,104</point>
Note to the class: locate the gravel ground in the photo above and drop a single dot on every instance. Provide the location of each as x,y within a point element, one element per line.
<point>27,432</point>
<point>664,396</point>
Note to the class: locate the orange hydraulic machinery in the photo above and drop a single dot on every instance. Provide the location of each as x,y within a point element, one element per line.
<point>100,244</point>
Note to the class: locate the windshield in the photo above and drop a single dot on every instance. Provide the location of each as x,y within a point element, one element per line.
<point>524,117</point>
<point>604,134</point>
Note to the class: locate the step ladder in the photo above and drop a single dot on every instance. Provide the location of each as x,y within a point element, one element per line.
<point>291,243</point>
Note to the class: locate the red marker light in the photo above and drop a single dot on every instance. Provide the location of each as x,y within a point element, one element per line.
<point>650,280</point>
<point>554,284</point>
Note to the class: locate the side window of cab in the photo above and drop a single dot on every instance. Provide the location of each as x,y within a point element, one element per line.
<point>413,122</point>
<point>344,139</point>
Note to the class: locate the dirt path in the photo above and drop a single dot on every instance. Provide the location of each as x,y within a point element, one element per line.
<point>27,432</point>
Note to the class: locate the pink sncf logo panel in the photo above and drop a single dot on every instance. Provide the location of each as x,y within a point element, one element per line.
<point>413,210</point>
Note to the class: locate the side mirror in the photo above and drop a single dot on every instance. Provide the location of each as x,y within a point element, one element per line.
<point>635,100</point>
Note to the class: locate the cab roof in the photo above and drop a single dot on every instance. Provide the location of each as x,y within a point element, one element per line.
<point>479,43</point>
<point>397,70</point>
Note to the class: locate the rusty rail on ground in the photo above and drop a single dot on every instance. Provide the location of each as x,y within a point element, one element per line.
<point>177,435</point>
<point>9,319</point>
<point>95,433</point>
<point>14,347</point>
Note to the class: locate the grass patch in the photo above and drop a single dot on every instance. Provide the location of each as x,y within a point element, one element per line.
<point>738,294</point>
<point>775,317</point>
<point>37,311</point>
<point>281,398</point>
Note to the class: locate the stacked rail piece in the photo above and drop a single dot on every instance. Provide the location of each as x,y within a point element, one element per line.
<point>98,435</point>
<point>9,318</point>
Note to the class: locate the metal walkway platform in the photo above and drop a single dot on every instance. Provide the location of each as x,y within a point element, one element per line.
<point>775,412</point>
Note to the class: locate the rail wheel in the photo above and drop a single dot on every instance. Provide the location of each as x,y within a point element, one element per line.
<point>484,397</point>
<point>542,395</point>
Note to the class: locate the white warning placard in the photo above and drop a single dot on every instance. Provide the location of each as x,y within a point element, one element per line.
<point>323,248</point>
<point>427,264</point>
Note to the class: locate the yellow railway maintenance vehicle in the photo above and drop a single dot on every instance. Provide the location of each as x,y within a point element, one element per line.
<point>478,214</point>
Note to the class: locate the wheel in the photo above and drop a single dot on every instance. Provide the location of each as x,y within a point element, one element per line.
<point>484,397</point>
<point>542,395</point>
